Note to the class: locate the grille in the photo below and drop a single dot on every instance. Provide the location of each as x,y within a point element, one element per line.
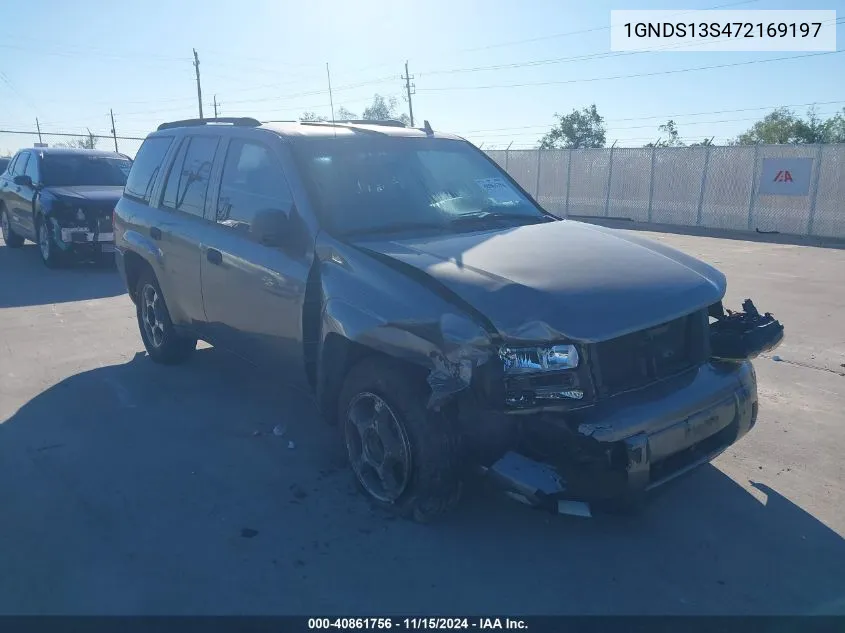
<point>641,358</point>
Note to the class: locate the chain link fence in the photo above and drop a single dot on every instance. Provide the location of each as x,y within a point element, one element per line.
<point>710,187</point>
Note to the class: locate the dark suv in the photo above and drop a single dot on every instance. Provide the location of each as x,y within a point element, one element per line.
<point>62,199</point>
<point>437,314</point>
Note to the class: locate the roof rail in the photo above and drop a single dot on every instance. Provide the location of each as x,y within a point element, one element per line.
<point>244,121</point>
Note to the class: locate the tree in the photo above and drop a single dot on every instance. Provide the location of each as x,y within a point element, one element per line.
<point>669,136</point>
<point>576,130</point>
<point>778,127</point>
<point>81,142</point>
<point>383,109</point>
<point>834,128</point>
<point>343,114</point>
<point>311,116</point>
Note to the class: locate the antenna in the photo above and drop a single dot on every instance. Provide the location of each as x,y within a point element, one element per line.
<point>331,101</point>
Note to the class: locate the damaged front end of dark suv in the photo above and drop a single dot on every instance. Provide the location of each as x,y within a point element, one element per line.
<point>636,412</point>
<point>587,367</point>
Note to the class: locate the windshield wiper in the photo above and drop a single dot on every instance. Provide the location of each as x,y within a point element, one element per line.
<point>396,228</point>
<point>487,214</point>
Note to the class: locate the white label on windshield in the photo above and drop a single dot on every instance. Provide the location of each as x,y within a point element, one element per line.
<point>498,191</point>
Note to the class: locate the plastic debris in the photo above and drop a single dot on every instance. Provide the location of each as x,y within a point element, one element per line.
<point>256,433</point>
<point>279,430</point>
<point>574,508</point>
<point>291,445</point>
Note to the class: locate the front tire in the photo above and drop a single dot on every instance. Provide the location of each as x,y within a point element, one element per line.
<point>405,456</point>
<point>163,344</point>
<point>49,251</point>
<point>12,239</point>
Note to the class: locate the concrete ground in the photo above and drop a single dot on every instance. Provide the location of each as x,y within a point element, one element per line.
<point>132,488</point>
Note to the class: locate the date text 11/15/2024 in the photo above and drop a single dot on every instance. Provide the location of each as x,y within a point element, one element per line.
<point>421,623</point>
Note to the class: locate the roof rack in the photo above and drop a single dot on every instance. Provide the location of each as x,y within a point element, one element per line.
<point>382,122</point>
<point>237,121</point>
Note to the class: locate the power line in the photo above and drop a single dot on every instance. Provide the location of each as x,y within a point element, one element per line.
<point>635,127</point>
<point>666,116</point>
<point>633,76</point>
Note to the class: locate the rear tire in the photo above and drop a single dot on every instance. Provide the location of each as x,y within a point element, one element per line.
<point>162,342</point>
<point>12,239</point>
<point>50,253</point>
<point>405,456</point>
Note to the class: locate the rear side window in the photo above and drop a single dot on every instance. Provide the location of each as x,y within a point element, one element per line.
<point>187,182</point>
<point>252,181</point>
<point>146,167</point>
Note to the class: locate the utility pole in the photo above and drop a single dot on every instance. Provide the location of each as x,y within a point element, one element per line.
<point>38,126</point>
<point>215,106</point>
<point>113,130</point>
<point>408,87</point>
<point>199,88</point>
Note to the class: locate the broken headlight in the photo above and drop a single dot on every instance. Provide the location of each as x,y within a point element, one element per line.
<point>527,360</point>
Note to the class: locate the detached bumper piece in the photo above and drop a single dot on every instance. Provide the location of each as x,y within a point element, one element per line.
<point>737,336</point>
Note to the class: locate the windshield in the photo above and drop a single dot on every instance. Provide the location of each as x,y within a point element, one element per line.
<point>364,185</point>
<point>63,170</point>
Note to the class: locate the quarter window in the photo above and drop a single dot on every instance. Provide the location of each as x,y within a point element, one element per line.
<point>145,168</point>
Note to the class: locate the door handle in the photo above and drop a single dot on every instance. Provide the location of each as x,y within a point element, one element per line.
<point>214,256</point>
<point>155,232</point>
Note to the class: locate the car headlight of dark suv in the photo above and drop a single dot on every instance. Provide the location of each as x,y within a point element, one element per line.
<point>528,360</point>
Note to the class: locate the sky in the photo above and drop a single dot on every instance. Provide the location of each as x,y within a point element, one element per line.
<point>68,64</point>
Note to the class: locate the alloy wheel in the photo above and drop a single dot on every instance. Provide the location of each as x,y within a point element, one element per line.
<point>152,316</point>
<point>44,240</point>
<point>378,447</point>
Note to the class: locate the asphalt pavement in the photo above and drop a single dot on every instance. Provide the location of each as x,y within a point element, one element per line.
<point>131,488</point>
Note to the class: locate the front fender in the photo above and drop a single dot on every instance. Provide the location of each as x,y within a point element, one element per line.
<point>449,347</point>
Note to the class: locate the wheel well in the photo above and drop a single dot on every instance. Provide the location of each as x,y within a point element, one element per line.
<point>133,264</point>
<point>339,356</point>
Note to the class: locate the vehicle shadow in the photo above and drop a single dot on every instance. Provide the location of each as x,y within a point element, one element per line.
<point>205,489</point>
<point>25,281</point>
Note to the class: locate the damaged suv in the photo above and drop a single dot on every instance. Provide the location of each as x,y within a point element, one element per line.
<point>440,318</point>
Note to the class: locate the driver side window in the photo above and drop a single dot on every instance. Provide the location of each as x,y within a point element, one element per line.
<point>252,181</point>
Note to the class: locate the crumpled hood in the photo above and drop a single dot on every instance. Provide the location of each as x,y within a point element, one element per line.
<point>92,193</point>
<point>561,280</point>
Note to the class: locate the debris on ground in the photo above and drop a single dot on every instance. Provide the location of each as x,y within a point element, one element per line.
<point>777,359</point>
<point>248,533</point>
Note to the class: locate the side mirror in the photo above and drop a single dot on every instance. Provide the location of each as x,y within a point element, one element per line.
<point>23,180</point>
<point>270,227</point>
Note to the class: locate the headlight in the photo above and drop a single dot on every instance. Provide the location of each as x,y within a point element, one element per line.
<point>528,360</point>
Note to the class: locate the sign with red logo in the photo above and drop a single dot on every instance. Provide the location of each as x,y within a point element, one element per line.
<point>785,176</point>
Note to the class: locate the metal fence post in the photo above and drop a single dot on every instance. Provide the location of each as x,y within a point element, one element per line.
<point>753,199</point>
<point>651,182</point>
<point>815,192</point>
<point>537,186</point>
<point>703,186</point>
<point>568,175</point>
<point>609,176</point>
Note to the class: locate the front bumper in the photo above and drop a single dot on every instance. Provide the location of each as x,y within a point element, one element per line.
<point>631,443</point>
